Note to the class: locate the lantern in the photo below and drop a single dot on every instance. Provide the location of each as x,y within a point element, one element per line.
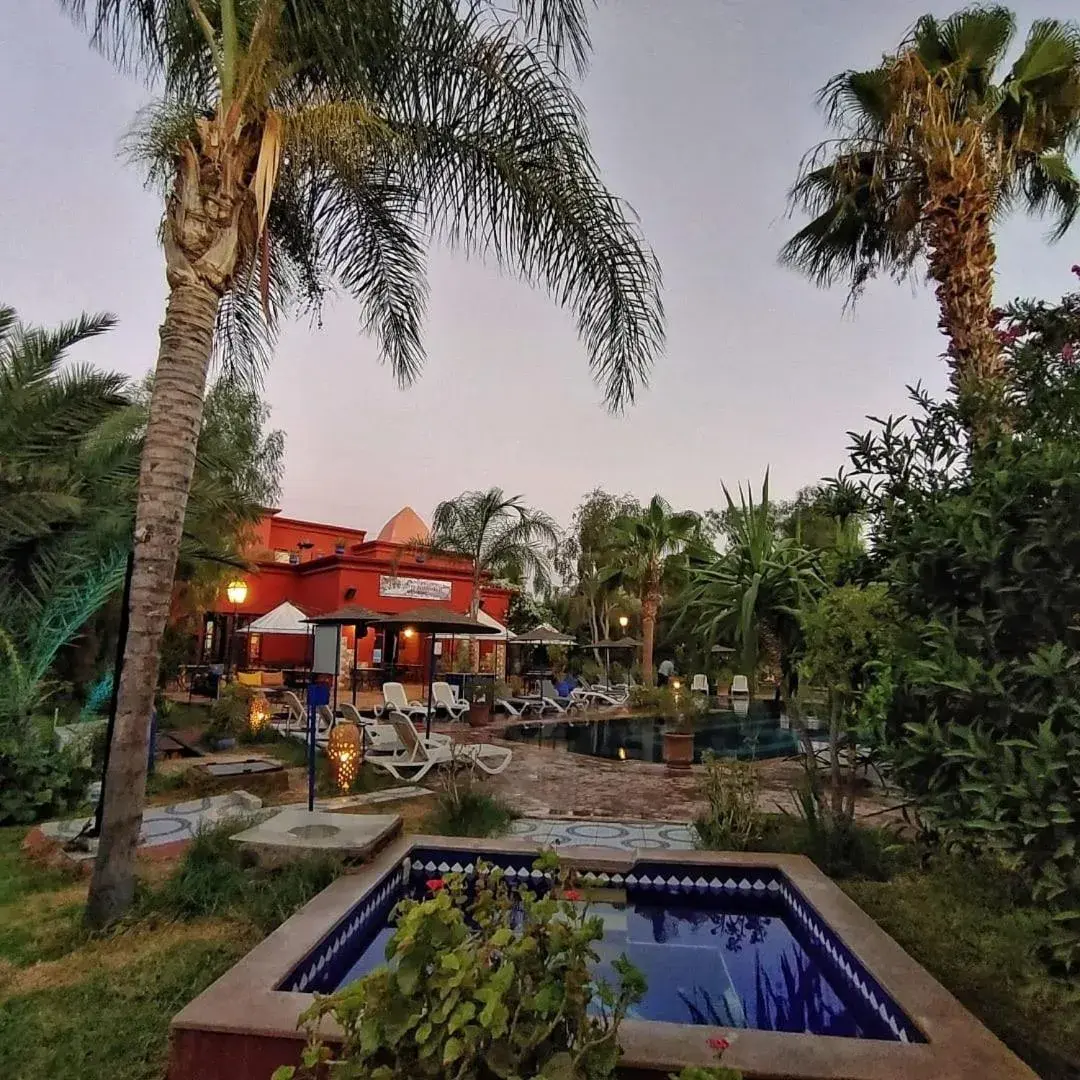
<point>343,750</point>
<point>624,621</point>
<point>258,713</point>
<point>236,591</point>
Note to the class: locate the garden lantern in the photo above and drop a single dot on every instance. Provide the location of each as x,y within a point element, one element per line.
<point>236,591</point>
<point>258,713</point>
<point>343,750</point>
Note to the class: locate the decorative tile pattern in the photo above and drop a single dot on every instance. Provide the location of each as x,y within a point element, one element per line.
<point>323,968</point>
<point>620,835</point>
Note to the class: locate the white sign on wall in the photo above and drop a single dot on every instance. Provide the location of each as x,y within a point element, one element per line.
<point>411,588</point>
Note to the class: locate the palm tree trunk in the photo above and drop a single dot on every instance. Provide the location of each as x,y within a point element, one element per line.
<point>650,604</point>
<point>168,462</point>
<point>201,238</point>
<point>961,257</point>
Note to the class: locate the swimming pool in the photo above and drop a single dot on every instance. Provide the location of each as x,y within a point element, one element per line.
<point>715,954</point>
<point>641,738</point>
<point>762,949</point>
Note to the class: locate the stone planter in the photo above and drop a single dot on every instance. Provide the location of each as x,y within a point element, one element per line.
<point>678,750</point>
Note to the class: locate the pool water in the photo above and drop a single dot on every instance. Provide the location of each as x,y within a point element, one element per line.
<point>641,738</point>
<point>733,962</point>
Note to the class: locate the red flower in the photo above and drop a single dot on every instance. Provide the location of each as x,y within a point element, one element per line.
<point>571,894</point>
<point>435,884</point>
<point>719,1045</point>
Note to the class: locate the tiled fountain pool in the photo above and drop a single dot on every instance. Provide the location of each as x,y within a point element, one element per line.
<point>640,738</point>
<point>761,948</point>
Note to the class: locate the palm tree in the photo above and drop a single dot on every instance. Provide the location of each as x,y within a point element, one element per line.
<point>497,533</point>
<point>757,586</point>
<point>644,549</point>
<point>307,143</point>
<point>930,151</point>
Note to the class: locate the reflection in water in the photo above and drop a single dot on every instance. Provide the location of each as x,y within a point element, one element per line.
<point>642,737</point>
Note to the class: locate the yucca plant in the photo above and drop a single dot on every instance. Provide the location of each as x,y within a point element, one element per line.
<point>308,143</point>
<point>932,147</point>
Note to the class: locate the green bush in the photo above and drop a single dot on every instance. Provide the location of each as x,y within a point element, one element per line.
<point>463,808</point>
<point>730,787</point>
<point>979,549</point>
<point>489,984</point>
<point>230,713</point>
<point>219,878</point>
<point>38,780</point>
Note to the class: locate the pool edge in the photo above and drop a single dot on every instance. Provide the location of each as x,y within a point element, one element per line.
<point>958,1046</point>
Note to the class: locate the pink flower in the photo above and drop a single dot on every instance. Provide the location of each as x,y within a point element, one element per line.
<point>717,1044</point>
<point>1076,269</point>
<point>571,894</point>
<point>435,884</point>
<point>1067,352</point>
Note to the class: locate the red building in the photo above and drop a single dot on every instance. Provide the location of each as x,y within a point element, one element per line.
<point>320,568</point>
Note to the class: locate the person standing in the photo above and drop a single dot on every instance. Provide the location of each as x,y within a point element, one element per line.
<point>664,672</point>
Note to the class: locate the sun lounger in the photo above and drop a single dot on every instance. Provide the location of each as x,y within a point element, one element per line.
<point>740,688</point>
<point>419,756</point>
<point>699,684</point>
<point>395,701</point>
<point>295,714</point>
<point>443,696</point>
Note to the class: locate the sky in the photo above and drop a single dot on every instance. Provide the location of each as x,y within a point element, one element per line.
<point>700,111</point>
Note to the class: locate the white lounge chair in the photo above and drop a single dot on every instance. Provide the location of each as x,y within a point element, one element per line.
<point>420,756</point>
<point>601,697</point>
<point>740,688</point>
<point>325,720</point>
<point>443,696</point>
<point>395,701</point>
<point>699,684</point>
<point>295,714</point>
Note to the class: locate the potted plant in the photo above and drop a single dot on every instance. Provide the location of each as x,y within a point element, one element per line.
<point>676,708</point>
<point>339,546</point>
<point>479,714</point>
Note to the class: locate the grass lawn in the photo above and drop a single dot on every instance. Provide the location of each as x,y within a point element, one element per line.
<point>76,1007</point>
<point>962,922</point>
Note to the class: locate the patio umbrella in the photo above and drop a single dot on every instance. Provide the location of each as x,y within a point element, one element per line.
<point>606,646</point>
<point>434,620</point>
<point>544,634</point>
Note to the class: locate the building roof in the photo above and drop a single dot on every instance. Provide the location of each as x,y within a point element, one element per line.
<point>405,527</point>
<point>286,618</point>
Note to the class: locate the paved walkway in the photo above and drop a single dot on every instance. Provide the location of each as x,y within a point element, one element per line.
<point>621,835</point>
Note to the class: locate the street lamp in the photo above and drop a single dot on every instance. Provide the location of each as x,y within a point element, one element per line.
<point>237,592</point>
<point>624,622</point>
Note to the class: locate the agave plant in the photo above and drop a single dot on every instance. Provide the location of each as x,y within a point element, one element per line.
<point>755,587</point>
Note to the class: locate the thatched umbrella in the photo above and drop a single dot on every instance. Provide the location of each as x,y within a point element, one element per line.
<point>606,646</point>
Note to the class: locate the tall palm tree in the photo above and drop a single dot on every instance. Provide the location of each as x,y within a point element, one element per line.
<point>931,149</point>
<point>497,533</point>
<point>756,587</point>
<point>307,143</point>
<point>643,550</point>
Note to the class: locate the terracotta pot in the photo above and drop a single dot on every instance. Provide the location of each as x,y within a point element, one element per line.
<point>479,714</point>
<point>678,750</point>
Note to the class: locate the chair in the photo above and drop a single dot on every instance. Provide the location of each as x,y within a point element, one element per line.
<point>740,688</point>
<point>325,721</point>
<point>395,701</point>
<point>699,685</point>
<point>443,695</point>
<point>420,756</point>
<point>295,714</point>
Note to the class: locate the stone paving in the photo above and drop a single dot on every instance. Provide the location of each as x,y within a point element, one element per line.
<point>163,825</point>
<point>621,835</point>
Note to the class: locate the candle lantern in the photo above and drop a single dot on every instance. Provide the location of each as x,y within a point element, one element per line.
<point>343,750</point>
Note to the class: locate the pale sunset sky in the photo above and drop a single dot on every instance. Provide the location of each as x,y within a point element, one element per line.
<point>700,111</point>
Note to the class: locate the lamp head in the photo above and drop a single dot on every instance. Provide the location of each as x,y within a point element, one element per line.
<point>237,591</point>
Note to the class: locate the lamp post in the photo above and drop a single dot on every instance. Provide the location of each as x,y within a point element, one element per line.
<point>237,592</point>
<point>624,622</point>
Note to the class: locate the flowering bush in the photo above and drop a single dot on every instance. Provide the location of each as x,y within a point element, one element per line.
<point>489,983</point>
<point>710,1072</point>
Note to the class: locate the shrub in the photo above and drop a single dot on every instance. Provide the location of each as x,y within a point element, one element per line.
<point>462,808</point>
<point>492,983</point>
<point>230,713</point>
<point>39,780</point>
<point>733,820</point>
<point>219,878</point>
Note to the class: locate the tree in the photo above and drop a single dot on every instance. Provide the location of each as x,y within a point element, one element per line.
<point>499,535</point>
<point>930,150</point>
<point>643,553</point>
<point>757,585</point>
<point>584,557</point>
<point>303,143</point>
